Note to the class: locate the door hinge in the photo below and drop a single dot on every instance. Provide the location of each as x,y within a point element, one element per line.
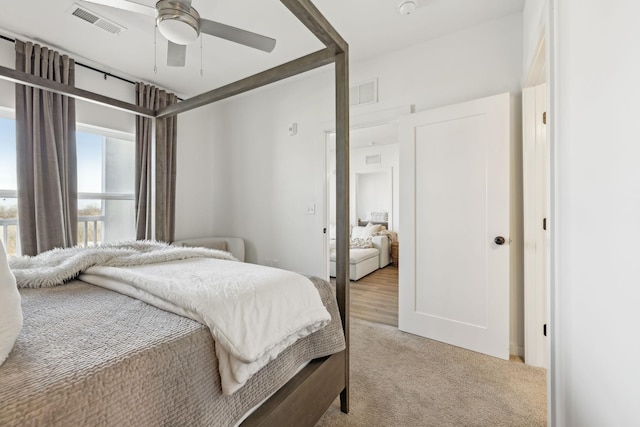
<point>324,230</point>
<point>544,224</point>
<point>544,118</point>
<point>544,329</point>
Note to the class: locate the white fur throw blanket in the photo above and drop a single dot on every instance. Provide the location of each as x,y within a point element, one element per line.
<point>58,266</point>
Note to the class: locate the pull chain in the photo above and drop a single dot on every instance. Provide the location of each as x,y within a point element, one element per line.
<point>201,72</point>
<point>155,49</point>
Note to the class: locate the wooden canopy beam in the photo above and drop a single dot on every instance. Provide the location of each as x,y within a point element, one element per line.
<point>272,75</point>
<point>310,16</point>
<point>23,78</point>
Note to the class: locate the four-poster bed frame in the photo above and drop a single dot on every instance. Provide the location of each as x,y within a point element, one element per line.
<point>304,399</point>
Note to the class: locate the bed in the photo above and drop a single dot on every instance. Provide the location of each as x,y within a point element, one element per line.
<point>88,355</point>
<point>300,401</point>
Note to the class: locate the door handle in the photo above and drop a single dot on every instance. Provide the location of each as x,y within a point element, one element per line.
<point>499,240</point>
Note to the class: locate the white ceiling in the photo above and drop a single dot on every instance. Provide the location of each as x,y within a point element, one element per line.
<point>371,27</point>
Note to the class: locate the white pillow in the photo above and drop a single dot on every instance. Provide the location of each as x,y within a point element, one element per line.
<point>10,308</point>
<point>369,231</point>
<point>356,232</point>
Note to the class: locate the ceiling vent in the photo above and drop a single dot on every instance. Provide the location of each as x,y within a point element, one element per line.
<point>95,19</point>
<point>365,93</point>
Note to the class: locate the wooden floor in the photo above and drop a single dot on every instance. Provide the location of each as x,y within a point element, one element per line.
<point>375,296</point>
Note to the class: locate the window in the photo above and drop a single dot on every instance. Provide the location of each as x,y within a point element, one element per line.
<point>106,180</point>
<point>8,186</point>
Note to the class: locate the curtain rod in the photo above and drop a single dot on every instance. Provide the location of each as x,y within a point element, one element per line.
<point>97,70</point>
<point>104,73</point>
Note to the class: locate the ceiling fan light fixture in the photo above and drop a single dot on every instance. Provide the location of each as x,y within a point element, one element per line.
<point>177,22</point>
<point>177,31</point>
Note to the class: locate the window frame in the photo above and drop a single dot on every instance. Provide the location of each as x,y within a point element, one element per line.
<point>103,196</point>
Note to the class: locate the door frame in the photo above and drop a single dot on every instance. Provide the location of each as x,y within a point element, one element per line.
<point>535,200</point>
<point>536,196</point>
<point>543,65</point>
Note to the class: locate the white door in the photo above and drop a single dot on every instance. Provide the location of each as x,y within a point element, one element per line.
<point>454,216</point>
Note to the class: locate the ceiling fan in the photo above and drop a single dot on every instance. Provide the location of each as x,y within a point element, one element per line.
<point>181,25</point>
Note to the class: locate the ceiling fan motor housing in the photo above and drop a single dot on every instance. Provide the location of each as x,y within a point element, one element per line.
<point>178,22</point>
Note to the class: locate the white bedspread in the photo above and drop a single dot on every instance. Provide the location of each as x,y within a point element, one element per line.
<point>253,312</point>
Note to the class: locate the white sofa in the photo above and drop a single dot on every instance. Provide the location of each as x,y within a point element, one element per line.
<point>365,261</point>
<point>234,245</point>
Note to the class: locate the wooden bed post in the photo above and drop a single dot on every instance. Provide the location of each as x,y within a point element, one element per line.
<point>342,207</point>
<point>310,16</point>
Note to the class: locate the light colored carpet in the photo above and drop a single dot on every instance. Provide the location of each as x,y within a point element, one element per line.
<point>399,379</point>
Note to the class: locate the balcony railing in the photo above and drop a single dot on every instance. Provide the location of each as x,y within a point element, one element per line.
<point>90,232</point>
<point>9,235</point>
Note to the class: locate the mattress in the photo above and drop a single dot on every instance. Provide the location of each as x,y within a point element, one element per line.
<point>90,356</point>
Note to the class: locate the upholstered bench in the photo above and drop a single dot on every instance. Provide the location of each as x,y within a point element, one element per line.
<point>234,245</point>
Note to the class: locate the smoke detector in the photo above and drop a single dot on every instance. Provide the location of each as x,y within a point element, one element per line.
<point>407,7</point>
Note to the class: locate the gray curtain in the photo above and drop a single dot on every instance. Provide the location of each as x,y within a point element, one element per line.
<point>165,166</point>
<point>46,153</point>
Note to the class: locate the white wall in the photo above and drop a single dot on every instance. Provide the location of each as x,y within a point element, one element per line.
<point>596,152</point>
<point>264,178</point>
<point>195,197</point>
<point>480,61</point>
<point>389,160</point>
<point>389,157</point>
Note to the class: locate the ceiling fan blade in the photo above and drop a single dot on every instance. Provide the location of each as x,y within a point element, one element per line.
<point>237,35</point>
<point>176,55</point>
<point>127,5</point>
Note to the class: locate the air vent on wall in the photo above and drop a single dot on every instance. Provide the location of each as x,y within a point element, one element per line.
<point>373,159</point>
<point>95,19</point>
<point>365,93</point>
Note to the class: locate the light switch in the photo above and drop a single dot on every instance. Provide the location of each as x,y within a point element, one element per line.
<point>311,209</point>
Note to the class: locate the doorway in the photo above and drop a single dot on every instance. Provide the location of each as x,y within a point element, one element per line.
<point>374,189</point>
